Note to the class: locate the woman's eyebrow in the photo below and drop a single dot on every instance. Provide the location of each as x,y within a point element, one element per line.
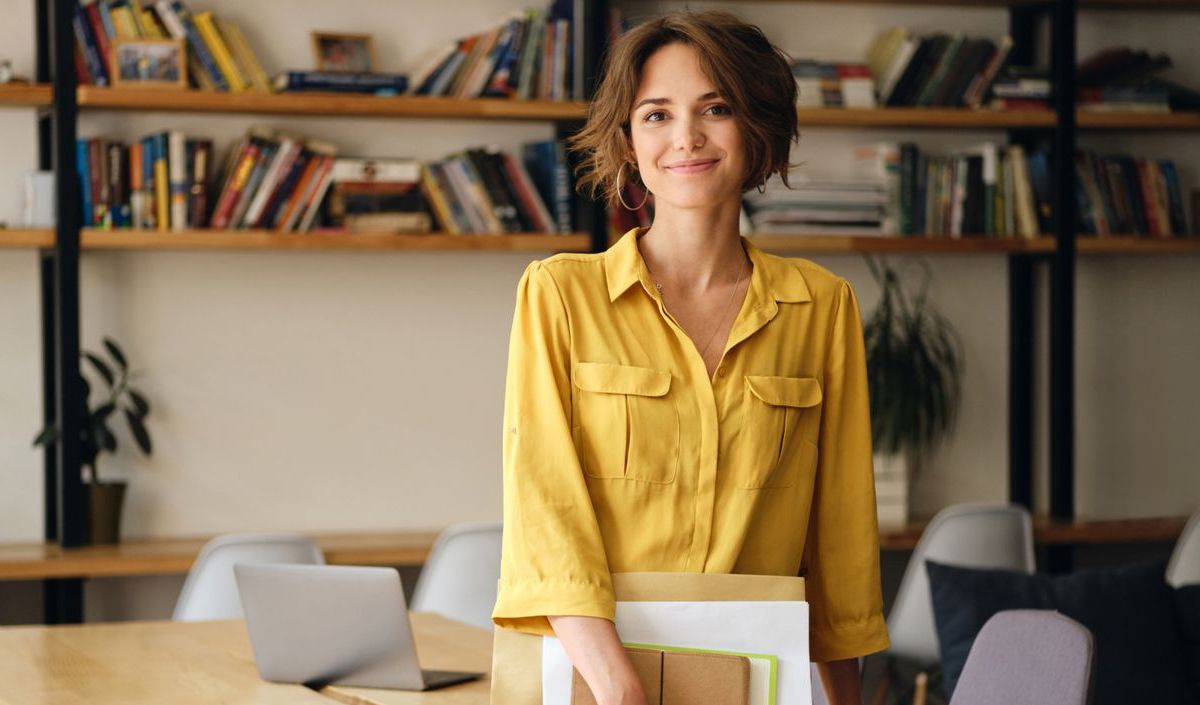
<point>667,101</point>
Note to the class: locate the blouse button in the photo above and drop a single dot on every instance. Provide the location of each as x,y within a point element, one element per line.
<point>720,371</point>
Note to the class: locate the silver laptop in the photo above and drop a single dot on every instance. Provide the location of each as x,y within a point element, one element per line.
<point>323,625</point>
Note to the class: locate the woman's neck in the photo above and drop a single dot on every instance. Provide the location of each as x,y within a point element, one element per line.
<point>694,250</point>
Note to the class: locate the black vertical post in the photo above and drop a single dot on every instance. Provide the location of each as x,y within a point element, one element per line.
<point>1021,28</point>
<point>46,273</point>
<point>591,215</point>
<point>1062,293</point>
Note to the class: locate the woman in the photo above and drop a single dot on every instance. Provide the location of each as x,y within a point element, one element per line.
<point>684,401</point>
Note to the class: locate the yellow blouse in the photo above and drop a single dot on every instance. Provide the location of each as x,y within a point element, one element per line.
<point>621,454</point>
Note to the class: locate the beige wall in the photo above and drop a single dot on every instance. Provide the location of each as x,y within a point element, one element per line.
<point>363,391</point>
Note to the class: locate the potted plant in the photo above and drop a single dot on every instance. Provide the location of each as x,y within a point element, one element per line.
<point>914,371</point>
<point>106,498</point>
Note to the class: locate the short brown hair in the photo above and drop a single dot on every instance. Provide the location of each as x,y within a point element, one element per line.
<point>751,74</point>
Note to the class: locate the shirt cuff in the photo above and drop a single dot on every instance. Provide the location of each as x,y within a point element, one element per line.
<point>848,639</point>
<point>524,605</point>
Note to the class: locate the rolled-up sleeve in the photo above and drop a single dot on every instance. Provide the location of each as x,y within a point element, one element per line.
<point>841,557</point>
<point>553,559</point>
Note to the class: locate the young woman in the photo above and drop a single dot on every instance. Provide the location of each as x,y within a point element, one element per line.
<point>684,401</point>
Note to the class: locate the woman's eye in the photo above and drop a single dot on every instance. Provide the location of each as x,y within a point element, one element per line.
<point>655,116</point>
<point>719,109</point>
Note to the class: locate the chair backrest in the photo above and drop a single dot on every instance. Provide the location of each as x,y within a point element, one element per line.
<point>459,578</point>
<point>1028,657</point>
<point>210,590</point>
<point>1184,567</point>
<point>968,535</point>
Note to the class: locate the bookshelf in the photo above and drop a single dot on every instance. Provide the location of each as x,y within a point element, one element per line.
<point>61,295</point>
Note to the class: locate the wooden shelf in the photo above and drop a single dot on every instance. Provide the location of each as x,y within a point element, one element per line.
<point>25,238</point>
<point>36,95</point>
<point>817,243</point>
<point>1048,532</point>
<point>38,561</point>
<point>925,118</point>
<point>1092,120</point>
<point>1133,244</point>
<point>93,239</point>
<point>341,104</point>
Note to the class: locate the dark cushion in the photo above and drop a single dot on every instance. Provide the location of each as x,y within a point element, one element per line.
<point>1130,611</point>
<point>1187,611</point>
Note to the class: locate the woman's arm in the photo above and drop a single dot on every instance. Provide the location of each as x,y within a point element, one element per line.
<point>841,681</point>
<point>596,652</point>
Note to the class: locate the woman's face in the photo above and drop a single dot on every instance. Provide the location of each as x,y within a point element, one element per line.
<point>687,143</point>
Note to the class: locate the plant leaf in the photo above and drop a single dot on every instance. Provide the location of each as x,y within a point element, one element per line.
<point>139,431</point>
<point>140,406</point>
<point>115,351</point>
<point>103,412</point>
<point>101,367</point>
<point>48,435</point>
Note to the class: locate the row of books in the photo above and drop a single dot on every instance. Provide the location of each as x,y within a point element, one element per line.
<point>1120,195</point>
<point>534,54</point>
<point>146,184</point>
<point>488,191</point>
<point>218,55</point>
<point>935,70</point>
<point>1125,79</point>
<point>287,183</point>
<point>823,84</point>
<point>856,206</point>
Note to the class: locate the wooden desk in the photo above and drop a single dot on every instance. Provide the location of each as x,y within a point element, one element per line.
<point>1050,532</point>
<point>40,561</point>
<point>202,663</point>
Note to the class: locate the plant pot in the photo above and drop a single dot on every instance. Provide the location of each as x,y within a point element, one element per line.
<point>891,489</point>
<point>104,511</point>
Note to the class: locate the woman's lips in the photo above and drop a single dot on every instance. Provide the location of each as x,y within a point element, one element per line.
<point>691,166</point>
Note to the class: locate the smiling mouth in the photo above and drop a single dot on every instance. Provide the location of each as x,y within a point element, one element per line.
<point>691,166</point>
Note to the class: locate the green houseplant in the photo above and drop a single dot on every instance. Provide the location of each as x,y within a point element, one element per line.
<point>914,371</point>
<point>97,437</point>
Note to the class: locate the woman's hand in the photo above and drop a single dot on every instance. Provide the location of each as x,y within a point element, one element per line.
<point>596,652</point>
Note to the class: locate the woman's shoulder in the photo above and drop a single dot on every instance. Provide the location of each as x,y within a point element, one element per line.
<point>820,282</point>
<point>568,270</point>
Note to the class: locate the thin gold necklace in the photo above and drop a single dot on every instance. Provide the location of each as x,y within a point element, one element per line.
<point>724,316</point>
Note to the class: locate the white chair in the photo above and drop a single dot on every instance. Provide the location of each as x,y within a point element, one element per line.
<point>459,578</point>
<point>968,535</point>
<point>210,591</point>
<point>1184,566</point>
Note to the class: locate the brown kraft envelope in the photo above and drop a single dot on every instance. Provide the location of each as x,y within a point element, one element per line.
<point>517,657</point>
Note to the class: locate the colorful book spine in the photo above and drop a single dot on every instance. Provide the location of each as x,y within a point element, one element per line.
<point>220,53</point>
<point>85,182</point>
<point>89,48</point>
<point>244,55</point>
<point>199,168</point>
<point>178,22</point>
<point>341,82</point>
<point>178,178</point>
<point>162,183</point>
<point>137,206</point>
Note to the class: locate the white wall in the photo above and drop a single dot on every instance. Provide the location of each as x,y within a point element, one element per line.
<point>342,391</point>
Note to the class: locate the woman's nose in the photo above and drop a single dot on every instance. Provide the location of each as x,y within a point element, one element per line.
<point>688,135</point>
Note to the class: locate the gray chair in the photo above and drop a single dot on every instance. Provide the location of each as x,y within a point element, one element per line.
<point>1184,567</point>
<point>459,578</point>
<point>1028,657</point>
<point>210,590</point>
<point>967,535</point>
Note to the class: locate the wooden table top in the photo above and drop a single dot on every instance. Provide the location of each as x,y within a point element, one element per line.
<point>39,561</point>
<point>203,663</point>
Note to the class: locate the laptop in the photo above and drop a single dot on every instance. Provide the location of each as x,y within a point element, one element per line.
<point>324,625</point>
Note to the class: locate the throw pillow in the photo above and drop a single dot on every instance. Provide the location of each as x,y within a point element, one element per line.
<point>1129,610</point>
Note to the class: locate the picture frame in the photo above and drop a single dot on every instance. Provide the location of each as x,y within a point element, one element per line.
<point>341,52</point>
<point>149,63</point>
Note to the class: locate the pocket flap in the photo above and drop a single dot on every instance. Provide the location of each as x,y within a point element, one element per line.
<point>786,391</point>
<point>621,379</point>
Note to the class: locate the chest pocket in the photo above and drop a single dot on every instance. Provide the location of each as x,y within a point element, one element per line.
<point>782,421</point>
<point>625,425</point>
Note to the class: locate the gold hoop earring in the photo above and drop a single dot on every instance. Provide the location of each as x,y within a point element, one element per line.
<point>620,188</point>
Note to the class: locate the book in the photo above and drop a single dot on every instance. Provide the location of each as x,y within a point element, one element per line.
<point>199,168</point>
<point>243,55</point>
<point>207,29</point>
<point>341,82</point>
<point>178,184</point>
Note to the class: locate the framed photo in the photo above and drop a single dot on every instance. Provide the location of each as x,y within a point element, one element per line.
<point>343,52</point>
<point>149,63</point>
